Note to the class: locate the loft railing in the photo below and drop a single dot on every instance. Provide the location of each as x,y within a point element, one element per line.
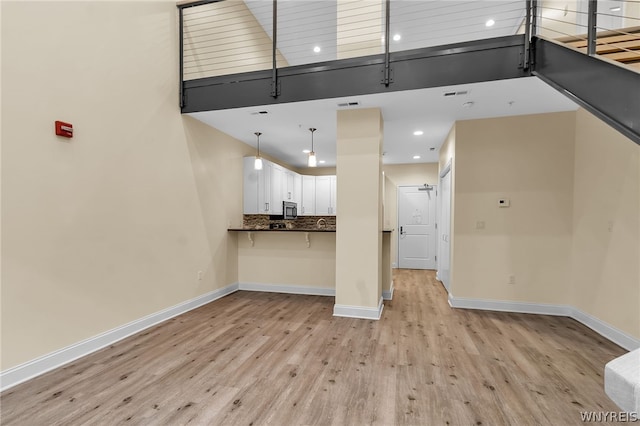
<point>236,53</point>
<point>228,37</point>
<point>610,29</point>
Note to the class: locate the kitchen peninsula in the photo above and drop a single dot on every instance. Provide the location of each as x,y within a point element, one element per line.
<point>300,260</point>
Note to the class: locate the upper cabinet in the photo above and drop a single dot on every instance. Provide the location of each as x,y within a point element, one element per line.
<point>326,196</point>
<point>263,189</point>
<point>308,205</point>
<point>293,186</point>
<point>266,189</point>
<point>277,186</point>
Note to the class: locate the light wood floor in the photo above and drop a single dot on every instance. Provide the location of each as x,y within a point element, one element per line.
<point>264,358</point>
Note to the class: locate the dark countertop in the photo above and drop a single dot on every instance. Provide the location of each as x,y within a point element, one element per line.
<point>281,230</point>
<point>289,230</point>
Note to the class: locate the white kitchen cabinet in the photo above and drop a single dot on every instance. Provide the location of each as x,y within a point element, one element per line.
<point>325,195</point>
<point>289,185</point>
<point>262,189</point>
<point>308,204</point>
<point>266,189</point>
<point>276,184</point>
<point>297,190</point>
<point>250,187</point>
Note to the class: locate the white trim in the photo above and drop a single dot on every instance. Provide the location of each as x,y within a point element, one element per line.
<point>388,294</point>
<point>289,289</point>
<point>617,336</point>
<point>447,168</point>
<point>509,306</point>
<point>358,311</point>
<point>43,364</point>
<point>607,331</point>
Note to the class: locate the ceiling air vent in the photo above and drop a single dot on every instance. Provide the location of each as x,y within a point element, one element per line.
<point>260,112</point>
<point>454,93</point>
<point>348,104</point>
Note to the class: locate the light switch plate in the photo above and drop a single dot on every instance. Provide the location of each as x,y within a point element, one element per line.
<point>504,202</point>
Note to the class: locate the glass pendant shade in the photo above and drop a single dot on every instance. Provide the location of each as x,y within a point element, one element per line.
<point>312,160</point>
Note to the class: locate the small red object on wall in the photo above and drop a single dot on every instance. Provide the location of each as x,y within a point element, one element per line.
<point>64,129</point>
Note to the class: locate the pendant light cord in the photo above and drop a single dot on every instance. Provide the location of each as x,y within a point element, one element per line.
<point>258,135</point>
<point>312,129</point>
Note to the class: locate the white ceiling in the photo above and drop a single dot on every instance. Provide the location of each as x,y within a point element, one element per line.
<point>286,133</point>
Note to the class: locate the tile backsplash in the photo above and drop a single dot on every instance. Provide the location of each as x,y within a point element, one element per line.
<point>260,221</point>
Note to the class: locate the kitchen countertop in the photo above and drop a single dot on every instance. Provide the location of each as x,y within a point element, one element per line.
<point>282,230</point>
<point>289,230</point>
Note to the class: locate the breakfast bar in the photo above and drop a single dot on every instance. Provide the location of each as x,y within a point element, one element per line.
<point>300,261</point>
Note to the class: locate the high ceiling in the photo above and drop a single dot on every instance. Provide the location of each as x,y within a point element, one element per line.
<point>285,126</point>
<point>347,28</point>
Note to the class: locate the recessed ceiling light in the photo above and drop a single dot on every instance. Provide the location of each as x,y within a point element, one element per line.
<point>467,104</point>
<point>397,37</point>
<point>490,23</point>
<point>317,49</point>
<point>416,157</point>
<point>418,133</point>
<point>321,161</point>
<point>615,9</point>
<point>306,151</point>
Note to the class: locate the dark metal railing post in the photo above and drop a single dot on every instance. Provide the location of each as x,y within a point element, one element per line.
<point>527,35</point>
<point>274,75</point>
<point>534,17</point>
<point>387,32</point>
<point>591,27</point>
<point>181,54</point>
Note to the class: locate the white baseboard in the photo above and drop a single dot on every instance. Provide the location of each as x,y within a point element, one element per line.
<point>289,289</point>
<point>362,312</point>
<point>41,365</point>
<point>388,294</point>
<point>605,330</point>
<point>618,337</point>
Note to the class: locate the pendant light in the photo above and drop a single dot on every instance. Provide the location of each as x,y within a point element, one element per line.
<point>258,163</point>
<point>312,155</point>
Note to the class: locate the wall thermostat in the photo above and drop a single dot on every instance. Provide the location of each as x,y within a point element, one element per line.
<point>504,202</point>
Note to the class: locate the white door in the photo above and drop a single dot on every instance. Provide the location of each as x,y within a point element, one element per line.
<point>444,229</point>
<point>417,227</point>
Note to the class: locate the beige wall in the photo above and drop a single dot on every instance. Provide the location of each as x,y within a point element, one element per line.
<point>225,38</point>
<point>283,258</point>
<point>606,225</point>
<point>114,224</point>
<point>398,175</point>
<point>555,22</point>
<point>572,233</point>
<point>359,223</point>
<point>528,159</point>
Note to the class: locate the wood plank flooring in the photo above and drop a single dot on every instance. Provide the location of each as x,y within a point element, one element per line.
<point>264,358</point>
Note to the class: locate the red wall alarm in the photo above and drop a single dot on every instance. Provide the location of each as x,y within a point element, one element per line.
<point>64,129</point>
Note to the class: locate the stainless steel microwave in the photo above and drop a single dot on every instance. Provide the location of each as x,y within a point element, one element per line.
<point>289,210</point>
